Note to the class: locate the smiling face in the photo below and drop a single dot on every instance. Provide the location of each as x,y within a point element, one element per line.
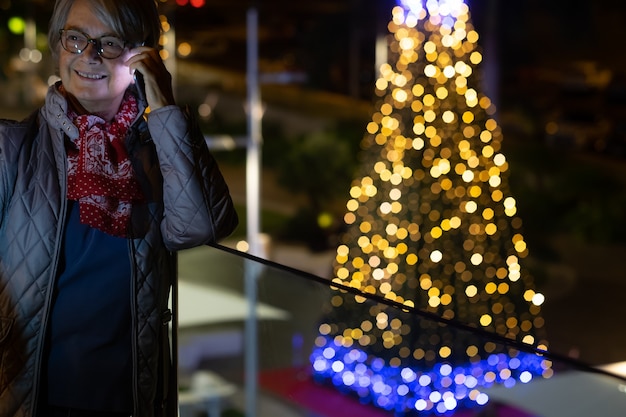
<point>98,84</point>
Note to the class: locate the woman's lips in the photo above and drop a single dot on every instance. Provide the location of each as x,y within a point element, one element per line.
<point>90,76</point>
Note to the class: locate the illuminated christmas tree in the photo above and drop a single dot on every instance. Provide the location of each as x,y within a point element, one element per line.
<point>431,224</point>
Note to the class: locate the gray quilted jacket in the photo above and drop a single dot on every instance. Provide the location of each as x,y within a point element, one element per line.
<point>188,204</point>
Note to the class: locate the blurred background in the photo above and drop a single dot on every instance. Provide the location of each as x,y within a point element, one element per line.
<point>554,69</point>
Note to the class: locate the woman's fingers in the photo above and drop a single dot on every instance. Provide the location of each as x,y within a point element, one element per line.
<point>157,79</point>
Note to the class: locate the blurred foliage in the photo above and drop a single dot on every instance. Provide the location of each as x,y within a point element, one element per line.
<point>318,165</point>
<point>566,193</point>
<point>558,192</point>
<point>272,223</point>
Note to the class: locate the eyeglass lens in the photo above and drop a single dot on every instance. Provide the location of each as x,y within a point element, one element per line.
<point>107,46</point>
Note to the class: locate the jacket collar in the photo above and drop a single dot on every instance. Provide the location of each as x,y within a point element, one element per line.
<point>55,110</point>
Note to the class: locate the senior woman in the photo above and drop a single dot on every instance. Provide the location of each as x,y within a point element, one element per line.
<point>96,197</point>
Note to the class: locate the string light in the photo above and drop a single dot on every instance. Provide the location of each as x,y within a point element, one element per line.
<point>431,224</point>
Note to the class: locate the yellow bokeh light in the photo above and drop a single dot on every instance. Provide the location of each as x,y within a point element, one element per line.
<point>436,256</point>
<point>433,225</point>
<point>485,320</point>
<point>184,49</point>
<point>471,291</point>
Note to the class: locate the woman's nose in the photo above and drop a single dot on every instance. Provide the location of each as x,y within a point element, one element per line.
<point>94,50</point>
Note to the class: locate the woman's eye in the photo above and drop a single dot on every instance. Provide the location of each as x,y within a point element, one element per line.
<point>116,43</point>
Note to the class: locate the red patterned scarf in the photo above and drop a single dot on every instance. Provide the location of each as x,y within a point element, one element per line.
<point>100,175</point>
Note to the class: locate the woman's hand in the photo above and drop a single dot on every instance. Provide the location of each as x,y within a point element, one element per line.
<point>157,79</point>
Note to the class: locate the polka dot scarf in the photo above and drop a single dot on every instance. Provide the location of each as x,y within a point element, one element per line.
<point>100,175</point>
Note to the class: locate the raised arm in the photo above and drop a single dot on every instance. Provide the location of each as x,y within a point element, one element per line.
<point>197,203</point>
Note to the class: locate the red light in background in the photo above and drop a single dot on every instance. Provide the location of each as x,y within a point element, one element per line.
<point>197,3</point>
<point>182,2</point>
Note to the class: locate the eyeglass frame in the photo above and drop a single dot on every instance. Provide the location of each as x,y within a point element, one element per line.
<point>96,42</point>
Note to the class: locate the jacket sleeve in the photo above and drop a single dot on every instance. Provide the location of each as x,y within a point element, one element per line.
<point>198,208</point>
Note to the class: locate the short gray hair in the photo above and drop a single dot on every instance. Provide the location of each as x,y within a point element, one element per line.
<point>135,21</point>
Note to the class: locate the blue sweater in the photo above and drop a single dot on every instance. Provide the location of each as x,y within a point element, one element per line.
<point>89,361</point>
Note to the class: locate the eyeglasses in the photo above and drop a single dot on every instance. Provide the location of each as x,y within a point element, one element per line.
<point>75,41</point>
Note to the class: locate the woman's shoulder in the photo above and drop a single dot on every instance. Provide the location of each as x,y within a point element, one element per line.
<point>9,124</point>
<point>15,131</point>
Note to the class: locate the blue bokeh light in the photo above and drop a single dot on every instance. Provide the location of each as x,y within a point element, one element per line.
<point>439,389</point>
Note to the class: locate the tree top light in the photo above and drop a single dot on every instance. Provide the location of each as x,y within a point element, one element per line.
<point>443,8</point>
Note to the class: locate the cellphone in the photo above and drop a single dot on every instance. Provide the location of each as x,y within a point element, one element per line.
<point>141,86</point>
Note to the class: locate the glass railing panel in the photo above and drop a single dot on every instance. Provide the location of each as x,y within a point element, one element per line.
<point>313,348</point>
